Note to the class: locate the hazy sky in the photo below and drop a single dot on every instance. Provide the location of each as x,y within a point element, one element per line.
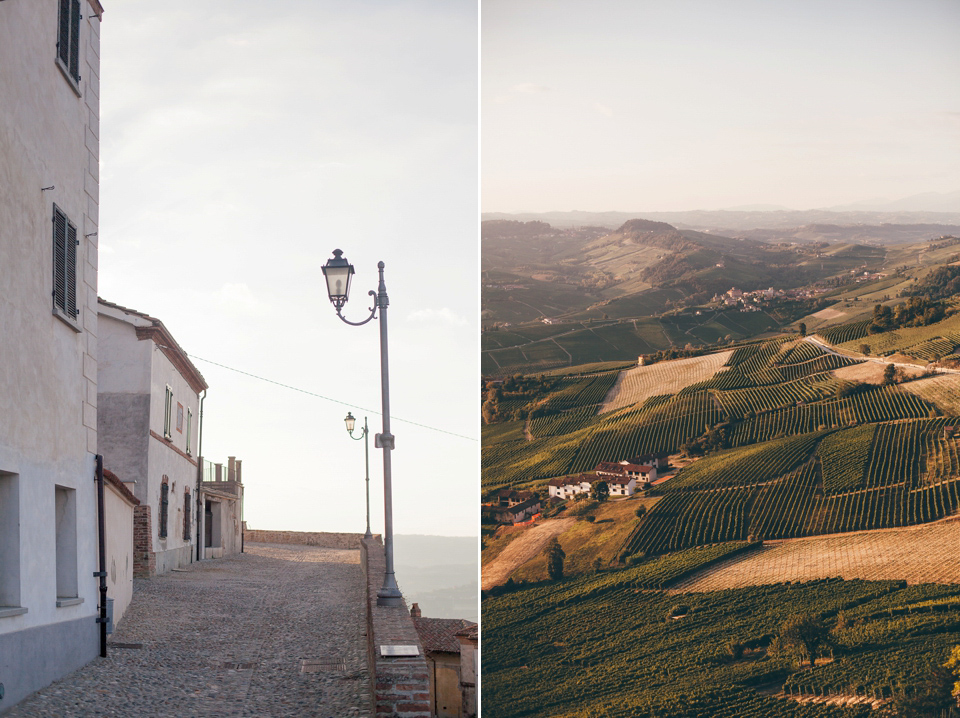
<point>698,104</point>
<point>241,142</point>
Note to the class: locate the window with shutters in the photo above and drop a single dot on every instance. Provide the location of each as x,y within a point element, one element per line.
<point>164,507</point>
<point>186,515</point>
<point>64,266</point>
<point>68,39</point>
<point>168,414</point>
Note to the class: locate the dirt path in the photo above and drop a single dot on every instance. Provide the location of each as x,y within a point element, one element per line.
<point>521,550</point>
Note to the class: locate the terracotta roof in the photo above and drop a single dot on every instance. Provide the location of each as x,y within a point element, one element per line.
<point>164,340</point>
<point>610,467</point>
<point>440,634</point>
<point>112,479</point>
<point>469,632</point>
<point>618,479</point>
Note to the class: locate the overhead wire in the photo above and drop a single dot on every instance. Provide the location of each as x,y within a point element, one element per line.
<point>327,398</point>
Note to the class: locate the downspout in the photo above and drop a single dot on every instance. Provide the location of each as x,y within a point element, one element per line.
<point>200,470</point>
<point>102,573</point>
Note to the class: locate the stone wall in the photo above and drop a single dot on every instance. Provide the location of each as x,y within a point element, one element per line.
<point>401,687</point>
<point>307,538</point>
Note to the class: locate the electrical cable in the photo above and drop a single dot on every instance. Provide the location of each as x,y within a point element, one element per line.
<point>327,398</point>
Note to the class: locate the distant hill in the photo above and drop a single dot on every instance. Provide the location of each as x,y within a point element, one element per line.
<point>737,220</point>
<point>440,573</point>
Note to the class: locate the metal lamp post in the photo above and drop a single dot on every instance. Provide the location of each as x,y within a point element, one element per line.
<point>338,272</point>
<point>351,422</point>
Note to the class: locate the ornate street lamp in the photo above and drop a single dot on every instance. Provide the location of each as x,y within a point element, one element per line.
<point>338,272</point>
<point>351,422</point>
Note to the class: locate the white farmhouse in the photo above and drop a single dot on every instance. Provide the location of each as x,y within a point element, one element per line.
<point>566,487</point>
<point>148,420</point>
<point>49,210</point>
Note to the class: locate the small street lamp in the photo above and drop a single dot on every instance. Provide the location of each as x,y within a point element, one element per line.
<point>338,272</point>
<point>351,422</point>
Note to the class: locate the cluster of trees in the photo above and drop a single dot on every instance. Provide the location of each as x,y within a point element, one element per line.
<point>915,312</point>
<point>713,439</point>
<point>517,386</point>
<point>675,353</point>
<point>941,283</point>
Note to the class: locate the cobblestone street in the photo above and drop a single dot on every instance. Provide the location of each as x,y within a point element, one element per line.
<point>229,637</point>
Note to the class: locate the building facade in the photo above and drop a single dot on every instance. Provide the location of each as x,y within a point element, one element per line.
<point>49,211</point>
<point>148,421</point>
<point>221,496</point>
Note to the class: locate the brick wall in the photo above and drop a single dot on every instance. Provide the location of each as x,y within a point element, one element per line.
<point>144,559</point>
<point>401,687</point>
<point>307,538</point>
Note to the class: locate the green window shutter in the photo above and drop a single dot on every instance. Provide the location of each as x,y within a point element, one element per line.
<point>74,65</point>
<point>63,33</point>
<point>70,272</point>
<point>59,258</point>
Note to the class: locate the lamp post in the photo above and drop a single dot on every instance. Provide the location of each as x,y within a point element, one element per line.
<point>338,272</point>
<point>351,422</point>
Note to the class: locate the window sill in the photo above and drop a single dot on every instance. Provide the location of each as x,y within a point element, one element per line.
<point>7,611</point>
<point>67,76</point>
<point>72,323</point>
<point>64,602</point>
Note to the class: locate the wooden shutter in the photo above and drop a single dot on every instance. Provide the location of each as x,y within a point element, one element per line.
<point>164,504</point>
<point>74,65</point>
<point>63,33</point>
<point>59,258</point>
<point>70,272</point>
<point>186,516</point>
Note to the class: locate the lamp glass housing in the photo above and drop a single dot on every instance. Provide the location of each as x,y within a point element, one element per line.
<point>350,421</point>
<point>338,272</point>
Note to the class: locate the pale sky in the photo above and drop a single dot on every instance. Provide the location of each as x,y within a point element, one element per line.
<point>241,143</point>
<point>699,104</point>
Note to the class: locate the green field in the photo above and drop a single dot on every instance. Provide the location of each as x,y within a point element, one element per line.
<point>601,645</point>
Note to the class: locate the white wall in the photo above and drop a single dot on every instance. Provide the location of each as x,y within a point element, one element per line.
<point>119,529</point>
<point>48,368</point>
<point>164,460</point>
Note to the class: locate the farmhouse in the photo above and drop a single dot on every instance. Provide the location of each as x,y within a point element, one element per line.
<point>566,487</point>
<point>511,507</point>
<point>658,461</point>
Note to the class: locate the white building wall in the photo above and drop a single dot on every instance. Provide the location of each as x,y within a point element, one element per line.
<point>167,457</point>
<point>119,549</point>
<point>48,366</point>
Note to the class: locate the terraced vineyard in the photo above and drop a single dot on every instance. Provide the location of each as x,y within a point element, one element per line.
<point>876,476</point>
<point>942,390</point>
<point>841,333</point>
<point>640,383</point>
<point>575,639</point>
<point>905,338</point>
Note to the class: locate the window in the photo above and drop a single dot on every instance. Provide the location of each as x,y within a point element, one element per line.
<point>66,543</point>
<point>168,414</point>
<point>179,417</point>
<point>189,428</point>
<point>164,506</point>
<point>64,265</point>
<point>68,38</point>
<point>186,515</point>
<point>9,544</point>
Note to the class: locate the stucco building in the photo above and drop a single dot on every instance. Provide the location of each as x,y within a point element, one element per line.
<point>49,211</point>
<point>148,421</point>
<point>221,496</point>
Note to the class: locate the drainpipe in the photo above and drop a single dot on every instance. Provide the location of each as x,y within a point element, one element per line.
<point>102,573</point>
<point>200,470</point>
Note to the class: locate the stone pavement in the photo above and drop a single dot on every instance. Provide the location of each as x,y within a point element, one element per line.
<point>228,637</point>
